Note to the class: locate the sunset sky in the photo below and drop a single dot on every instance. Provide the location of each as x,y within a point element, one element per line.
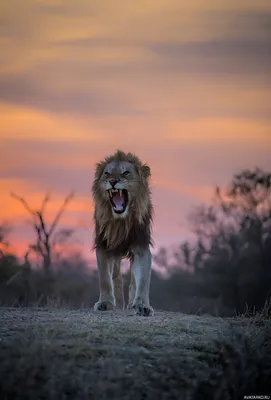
<point>184,85</point>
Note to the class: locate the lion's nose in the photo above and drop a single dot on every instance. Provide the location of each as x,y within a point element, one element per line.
<point>113,182</point>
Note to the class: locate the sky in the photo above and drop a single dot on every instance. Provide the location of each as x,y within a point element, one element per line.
<point>184,85</point>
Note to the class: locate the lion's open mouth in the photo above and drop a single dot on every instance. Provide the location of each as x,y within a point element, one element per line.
<point>118,199</point>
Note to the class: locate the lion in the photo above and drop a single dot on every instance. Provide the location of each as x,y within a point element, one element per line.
<point>123,223</point>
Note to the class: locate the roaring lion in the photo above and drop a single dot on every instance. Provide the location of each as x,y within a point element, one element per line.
<point>123,217</point>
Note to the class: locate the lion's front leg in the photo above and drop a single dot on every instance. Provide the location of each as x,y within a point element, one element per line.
<point>132,288</point>
<point>141,269</point>
<point>105,269</point>
<point>118,285</point>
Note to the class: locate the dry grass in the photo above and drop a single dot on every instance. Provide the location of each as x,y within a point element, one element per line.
<point>64,354</point>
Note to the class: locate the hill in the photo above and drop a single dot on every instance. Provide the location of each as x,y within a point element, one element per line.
<point>77,354</point>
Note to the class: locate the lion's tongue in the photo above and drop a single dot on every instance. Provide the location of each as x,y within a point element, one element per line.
<point>118,201</point>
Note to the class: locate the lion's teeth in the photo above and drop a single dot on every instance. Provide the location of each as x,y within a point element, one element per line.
<point>120,192</point>
<point>110,192</point>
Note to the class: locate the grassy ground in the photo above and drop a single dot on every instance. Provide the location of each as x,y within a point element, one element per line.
<point>64,354</point>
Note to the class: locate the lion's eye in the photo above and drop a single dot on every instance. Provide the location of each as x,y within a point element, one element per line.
<point>106,174</point>
<point>126,173</point>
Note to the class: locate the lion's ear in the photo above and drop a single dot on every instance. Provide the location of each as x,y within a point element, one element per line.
<point>146,171</point>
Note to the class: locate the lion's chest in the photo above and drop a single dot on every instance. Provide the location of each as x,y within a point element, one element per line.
<point>119,240</point>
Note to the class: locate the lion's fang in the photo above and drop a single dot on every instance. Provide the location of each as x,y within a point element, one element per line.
<point>111,191</point>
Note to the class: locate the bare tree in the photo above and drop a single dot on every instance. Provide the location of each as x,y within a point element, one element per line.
<point>46,237</point>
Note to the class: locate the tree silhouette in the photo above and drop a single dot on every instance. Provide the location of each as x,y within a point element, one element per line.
<point>230,257</point>
<point>46,237</point>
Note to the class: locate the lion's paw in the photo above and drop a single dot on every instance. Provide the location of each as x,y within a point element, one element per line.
<point>104,306</point>
<point>143,310</point>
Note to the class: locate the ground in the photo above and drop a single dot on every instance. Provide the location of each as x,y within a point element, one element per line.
<point>78,354</point>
